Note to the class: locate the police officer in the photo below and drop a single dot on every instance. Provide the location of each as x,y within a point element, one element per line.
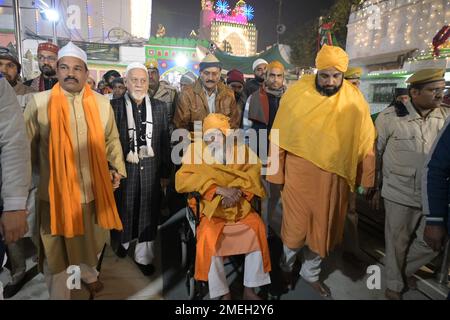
<point>161,91</point>
<point>353,74</point>
<point>406,133</point>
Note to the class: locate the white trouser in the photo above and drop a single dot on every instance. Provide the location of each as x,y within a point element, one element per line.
<point>254,275</point>
<point>57,283</point>
<point>144,253</point>
<point>310,270</point>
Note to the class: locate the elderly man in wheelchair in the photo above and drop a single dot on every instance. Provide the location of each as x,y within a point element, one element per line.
<point>227,176</point>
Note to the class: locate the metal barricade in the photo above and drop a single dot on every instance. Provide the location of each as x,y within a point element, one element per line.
<point>442,276</point>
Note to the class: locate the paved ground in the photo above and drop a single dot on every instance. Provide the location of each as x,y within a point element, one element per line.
<point>123,280</point>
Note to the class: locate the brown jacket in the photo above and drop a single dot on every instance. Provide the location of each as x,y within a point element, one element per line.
<point>192,105</point>
<point>23,94</point>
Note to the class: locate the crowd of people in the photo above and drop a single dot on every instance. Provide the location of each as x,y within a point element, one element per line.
<point>85,164</point>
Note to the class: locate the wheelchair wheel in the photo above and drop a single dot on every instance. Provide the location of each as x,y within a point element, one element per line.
<point>190,286</point>
<point>184,255</point>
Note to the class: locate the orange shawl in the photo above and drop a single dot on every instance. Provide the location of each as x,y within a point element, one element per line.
<point>66,215</point>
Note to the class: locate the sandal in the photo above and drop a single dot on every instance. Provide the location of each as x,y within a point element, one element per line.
<point>94,288</point>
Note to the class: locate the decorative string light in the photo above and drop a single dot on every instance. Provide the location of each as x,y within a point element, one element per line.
<point>89,20</point>
<point>103,19</point>
<point>411,22</point>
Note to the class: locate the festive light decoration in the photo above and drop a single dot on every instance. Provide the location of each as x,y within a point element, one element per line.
<point>229,27</point>
<point>222,7</point>
<point>441,37</point>
<point>89,20</point>
<point>249,12</point>
<point>141,11</point>
<point>406,24</point>
<point>241,14</point>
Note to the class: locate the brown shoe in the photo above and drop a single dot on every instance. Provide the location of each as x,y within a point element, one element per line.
<point>94,288</point>
<point>357,260</point>
<point>411,282</point>
<point>392,295</point>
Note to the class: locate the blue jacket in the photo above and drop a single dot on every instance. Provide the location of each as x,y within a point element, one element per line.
<point>436,181</point>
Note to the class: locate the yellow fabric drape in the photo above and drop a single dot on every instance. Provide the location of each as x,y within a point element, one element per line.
<point>335,133</point>
<point>66,217</point>
<point>200,177</point>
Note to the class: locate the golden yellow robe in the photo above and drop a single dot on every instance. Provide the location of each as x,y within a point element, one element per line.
<point>335,133</point>
<point>326,149</point>
<point>204,178</point>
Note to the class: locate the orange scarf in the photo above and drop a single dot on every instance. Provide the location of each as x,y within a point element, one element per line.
<point>66,216</point>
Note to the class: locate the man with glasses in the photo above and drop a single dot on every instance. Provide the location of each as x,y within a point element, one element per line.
<point>160,90</point>
<point>144,135</point>
<point>47,55</point>
<point>405,138</point>
<point>207,96</point>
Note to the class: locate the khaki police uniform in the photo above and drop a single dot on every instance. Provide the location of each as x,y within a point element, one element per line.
<point>404,143</point>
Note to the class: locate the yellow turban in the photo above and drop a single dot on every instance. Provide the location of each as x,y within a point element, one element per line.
<point>216,121</point>
<point>353,73</point>
<point>276,64</point>
<point>152,64</point>
<point>332,57</point>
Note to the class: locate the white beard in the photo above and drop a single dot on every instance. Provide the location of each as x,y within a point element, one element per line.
<point>136,96</point>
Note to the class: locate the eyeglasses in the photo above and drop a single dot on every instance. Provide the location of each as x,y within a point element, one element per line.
<point>49,58</point>
<point>437,91</point>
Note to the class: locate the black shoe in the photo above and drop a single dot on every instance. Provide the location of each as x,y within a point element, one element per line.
<point>121,252</point>
<point>12,289</point>
<point>356,260</point>
<point>146,269</point>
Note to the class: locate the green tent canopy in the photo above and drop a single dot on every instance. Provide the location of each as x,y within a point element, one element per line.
<point>244,64</point>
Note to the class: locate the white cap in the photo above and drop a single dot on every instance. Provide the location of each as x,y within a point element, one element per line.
<point>135,65</point>
<point>258,62</point>
<point>188,78</point>
<point>71,50</point>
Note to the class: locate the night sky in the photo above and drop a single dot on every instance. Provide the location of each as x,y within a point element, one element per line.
<point>181,16</point>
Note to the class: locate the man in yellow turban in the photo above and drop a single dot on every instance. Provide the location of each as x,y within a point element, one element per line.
<point>326,142</point>
<point>228,224</point>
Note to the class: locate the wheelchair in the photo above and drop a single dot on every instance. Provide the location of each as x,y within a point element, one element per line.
<point>197,290</point>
